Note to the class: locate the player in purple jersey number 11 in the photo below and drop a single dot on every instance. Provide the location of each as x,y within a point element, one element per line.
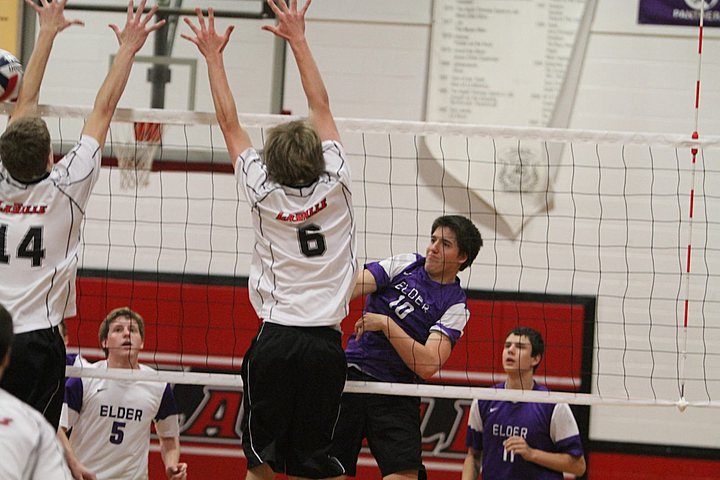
<point>516,440</point>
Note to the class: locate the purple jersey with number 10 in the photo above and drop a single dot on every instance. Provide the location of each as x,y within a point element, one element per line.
<point>418,304</point>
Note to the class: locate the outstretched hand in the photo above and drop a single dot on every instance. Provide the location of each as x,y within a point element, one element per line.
<point>51,15</point>
<point>291,22</point>
<point>206,38</point>
<point>136,30</point>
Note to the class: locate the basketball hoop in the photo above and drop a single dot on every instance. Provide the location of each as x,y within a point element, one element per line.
<point>135,159</point>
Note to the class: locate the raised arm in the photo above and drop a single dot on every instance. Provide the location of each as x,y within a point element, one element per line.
<point>212,45</point>
<point>131,39</point>
<point>291,27</point>
<point>52,21</point>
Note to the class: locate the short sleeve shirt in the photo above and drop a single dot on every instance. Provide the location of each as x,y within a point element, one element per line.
<point>29,446</point>
<point>40,228</point>
<point>418,304</point>
<point>303,264</point>
<point>111,420</point>
<point>546,426</point>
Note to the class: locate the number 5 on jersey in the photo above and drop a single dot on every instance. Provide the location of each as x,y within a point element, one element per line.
<point>117,435</point>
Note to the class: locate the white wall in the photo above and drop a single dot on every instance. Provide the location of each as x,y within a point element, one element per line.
<point>374,57</point>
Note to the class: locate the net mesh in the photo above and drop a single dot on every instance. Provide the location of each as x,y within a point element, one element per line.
<point>587,238</point>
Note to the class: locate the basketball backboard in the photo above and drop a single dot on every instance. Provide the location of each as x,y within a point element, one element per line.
<point>223,8</point>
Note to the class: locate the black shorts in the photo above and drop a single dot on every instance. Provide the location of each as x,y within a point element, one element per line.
<point>293,379</point>
<point>390,423</point>
<point>36,374</point>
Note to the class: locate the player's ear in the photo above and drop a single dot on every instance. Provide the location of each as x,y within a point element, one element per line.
<point>536,360</point>
<point>50,160</point>
<point>5,361</point>
<point>462,258</point>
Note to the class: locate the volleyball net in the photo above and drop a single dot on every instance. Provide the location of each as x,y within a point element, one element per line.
<point>602,241</point>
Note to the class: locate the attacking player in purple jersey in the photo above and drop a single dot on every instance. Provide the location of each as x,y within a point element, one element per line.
<point>414,314</point>
<point>514,440</point>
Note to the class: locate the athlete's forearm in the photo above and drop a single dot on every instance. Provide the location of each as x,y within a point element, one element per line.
<point>236,138</point>
<point>170,454</point>
<point>32,79</point>
<point>471,466</point>
<point>425,360</point>
<point>560,462</point>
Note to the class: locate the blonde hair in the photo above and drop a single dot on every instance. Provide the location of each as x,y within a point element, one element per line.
<point>293,154</point>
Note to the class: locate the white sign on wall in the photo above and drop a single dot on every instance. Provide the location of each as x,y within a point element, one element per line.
<point>503,62</point>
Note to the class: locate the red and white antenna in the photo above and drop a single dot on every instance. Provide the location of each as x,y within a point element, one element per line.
<point>682,404</point>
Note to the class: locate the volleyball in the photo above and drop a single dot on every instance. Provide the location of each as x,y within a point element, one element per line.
<point>11,72</point>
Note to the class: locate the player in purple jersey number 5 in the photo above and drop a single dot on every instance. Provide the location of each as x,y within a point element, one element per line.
<point>414,314</point>
<point>515,440</point>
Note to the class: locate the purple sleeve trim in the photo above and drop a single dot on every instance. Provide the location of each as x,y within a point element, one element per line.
<point>473,439</point>
<point>167,405</point>
<point>381,277</point>
<point>451,333</point>
<point>571,445</point>
<point>74,393</point>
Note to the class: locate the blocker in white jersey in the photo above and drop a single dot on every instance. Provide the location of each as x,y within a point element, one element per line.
<point>303,264</point>
<point>42,207</point>
<point>516,440</point>
<point>40,235</point>
<point>111,420</point>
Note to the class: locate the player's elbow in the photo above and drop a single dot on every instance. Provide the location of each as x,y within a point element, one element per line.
<point>426,372</point>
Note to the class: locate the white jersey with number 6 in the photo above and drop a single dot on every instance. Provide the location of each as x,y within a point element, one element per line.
<point>111,419</point>
<point>39,238</point>
<point>303,265</point>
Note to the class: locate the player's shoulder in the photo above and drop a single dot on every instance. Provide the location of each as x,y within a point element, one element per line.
<point>17,414</point>
<point>400,262</point>
<point>333,147</point>
<point>146,368</point>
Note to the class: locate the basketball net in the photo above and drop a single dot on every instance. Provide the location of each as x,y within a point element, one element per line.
<point>135,159</point>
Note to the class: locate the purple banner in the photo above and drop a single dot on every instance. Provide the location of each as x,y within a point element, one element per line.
<point>679,12</point>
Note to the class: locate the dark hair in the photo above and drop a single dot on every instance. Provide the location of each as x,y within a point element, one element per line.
<point>113,315</point>
<point>6,332</point>
<point>467,235</point>
<point>25,148</point>
<point>293,154</point>
<point>536,340</point>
